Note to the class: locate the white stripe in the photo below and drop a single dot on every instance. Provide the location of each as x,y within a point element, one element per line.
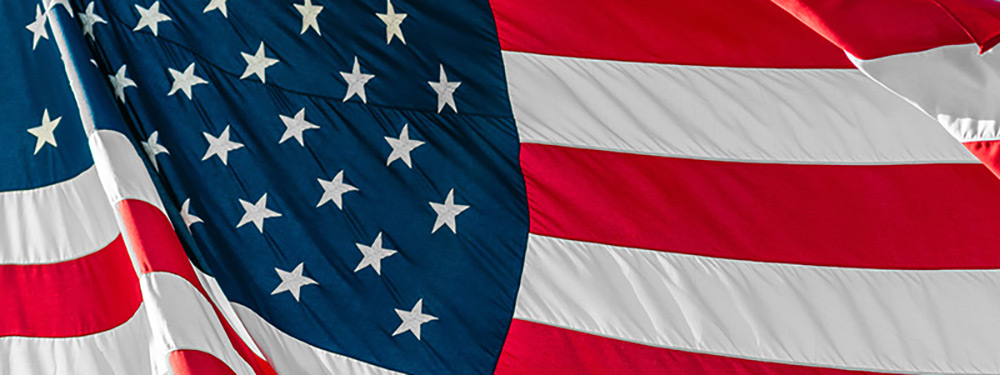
<point>968,129</point>
<point>125,177</point>
<point>880,320</point>
<point>289,355</point>
<point>55,223</point>
<point>138,346</point>
<point>118,351</point>
<point>122,171</point>
<point>219,299</point>
<point>766,115</point>
<point>181,318</point>
<point>955,84</point>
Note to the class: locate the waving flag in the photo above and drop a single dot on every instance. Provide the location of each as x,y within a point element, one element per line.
<point>68,285</point>
<point>310,187</point>
<point>95,282</point>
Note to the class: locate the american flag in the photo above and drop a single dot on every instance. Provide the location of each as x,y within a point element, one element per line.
<point>511,187</point>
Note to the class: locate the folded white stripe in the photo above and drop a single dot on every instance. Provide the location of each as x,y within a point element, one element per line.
<point>182,319</point>
<point>55,223</point>
<point>125,177</point>
<point>179,316</point>
<point>123,173</point>
<point>289,355</point>
<point>808,116</point>
<point>955,84</point>
<point>219,299</point>
<point>880,320</point>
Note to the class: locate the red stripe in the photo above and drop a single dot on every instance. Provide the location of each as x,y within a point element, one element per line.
<point>533,348</point>
<point>157,249</point>
<point>77,297</point>
<point>979,18</point>
<point>871,29</point>
<point>738,33</point>
<point>195,362</point>
<point>153,239</point>
<point>929,216</point>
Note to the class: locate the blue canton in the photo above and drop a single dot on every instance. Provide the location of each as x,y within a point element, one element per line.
<point>34,83</point>
<point>356,185</point>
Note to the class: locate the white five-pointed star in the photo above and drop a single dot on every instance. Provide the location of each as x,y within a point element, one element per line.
<point>37,27</point>
<point>220,146</point>
<point>447,211</point>
<point>309,13</point>
<point>356,82</point>
<point>153,148</point>
<point>373,255</point>
<point>88,18</point>
<point>256,63</point>
<point>402,146</point>
<point>120,82</point>
<point>413,319</point>
<point>294,126</point>
<point>150,18</point>
<point>44,132</point>
<point>392,22</point>
<point>256,213</point>
<point>187,216</point>
<point>445,91</point>
<point>219,5</point>
<point>334,190</point>
<point>184,81</point>
<point>292,282</point>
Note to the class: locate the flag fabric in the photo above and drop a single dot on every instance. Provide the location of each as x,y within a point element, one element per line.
<point>707,177</point>
<point>95,281</point>
<point>511,187</point>
<point>942,58</point>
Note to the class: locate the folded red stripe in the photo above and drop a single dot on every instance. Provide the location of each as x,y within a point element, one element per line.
<point>157,249</point>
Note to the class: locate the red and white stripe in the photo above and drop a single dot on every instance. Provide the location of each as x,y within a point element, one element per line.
<point>183,316</point>
<point>101,247</point>
<point>938,54</point>
<point>714,189</point>
<point>69,292</point>
<point>96,281</point>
